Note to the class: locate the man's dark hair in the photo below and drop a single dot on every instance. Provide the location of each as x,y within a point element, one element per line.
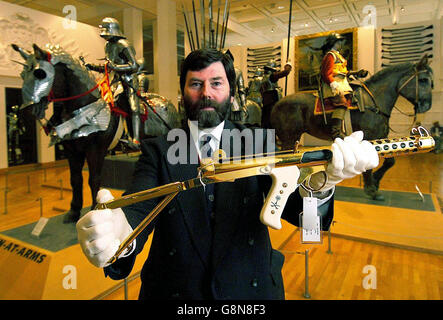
<point>202,58</point>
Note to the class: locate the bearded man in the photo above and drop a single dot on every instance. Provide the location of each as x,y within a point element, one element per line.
<point>208,242</point>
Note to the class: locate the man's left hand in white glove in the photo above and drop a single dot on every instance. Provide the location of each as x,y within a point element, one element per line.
<point>100,232</point>
<point>351,157</point>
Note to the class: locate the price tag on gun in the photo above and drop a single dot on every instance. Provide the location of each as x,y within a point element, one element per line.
<point>310,221</point>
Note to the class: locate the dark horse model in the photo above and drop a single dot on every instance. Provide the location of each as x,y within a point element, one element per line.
<point>54,75</point>
<point>294,114</point>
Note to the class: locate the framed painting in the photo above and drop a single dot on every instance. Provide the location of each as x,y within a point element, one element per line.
<point>308,57</point>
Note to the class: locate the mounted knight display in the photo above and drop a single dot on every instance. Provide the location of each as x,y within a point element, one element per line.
<point>296,114</point>
<point>121,61</point>
<point>334,88</point>
<point>84,121</point>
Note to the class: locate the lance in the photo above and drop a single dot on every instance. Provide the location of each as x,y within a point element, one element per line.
<point>264,57</point>
<point>413,57</point>
<point>223,24</point>
<point>218,21</point>
<point>403,35</point>
<point>267,51</point>
<point>410,29</point>
<point>263,61</point>
<point>405,52</point>
<point>289,39</point>
<point>211,29</point>
<point>399,39</point>
<point>190,37</point>
<point>202,12</point>
<point>258,64</point>
<point>397,63</point>
<point>410,57</point>
<point>196,26</point>
<point>407,44</point>
<point>264,48</point>
<point>226,27</point>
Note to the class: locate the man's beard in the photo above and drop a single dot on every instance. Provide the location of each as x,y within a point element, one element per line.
<point>207,118</point>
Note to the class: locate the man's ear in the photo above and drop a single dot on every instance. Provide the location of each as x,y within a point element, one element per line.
<point>232,99</point>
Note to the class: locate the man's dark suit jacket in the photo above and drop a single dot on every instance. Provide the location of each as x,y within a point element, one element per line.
<point>195,257</point>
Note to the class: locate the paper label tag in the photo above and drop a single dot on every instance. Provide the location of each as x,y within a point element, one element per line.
<point>39,226</point>
<point>309,213</point>
<point>310,222</point>
<point>313,235</point>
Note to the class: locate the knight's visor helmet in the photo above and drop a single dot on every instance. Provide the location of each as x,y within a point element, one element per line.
<point>109,28</point>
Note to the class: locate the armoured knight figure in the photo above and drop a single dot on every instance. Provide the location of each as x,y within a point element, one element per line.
<point>239,104</point>
<point>15,129</point>
<point>122,62</point>
<point>335,86</point>
<point>270,91</point>
<point>254,86</point>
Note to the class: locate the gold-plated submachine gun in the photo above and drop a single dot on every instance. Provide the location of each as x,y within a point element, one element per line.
<point>281,166</point>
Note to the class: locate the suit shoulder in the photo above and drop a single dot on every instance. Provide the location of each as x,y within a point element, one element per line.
<point>159,144</point>
<point>163,142</point>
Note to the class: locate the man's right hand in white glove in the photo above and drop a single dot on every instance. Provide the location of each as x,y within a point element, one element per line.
<point>351,157</point>
<point>100,232</point>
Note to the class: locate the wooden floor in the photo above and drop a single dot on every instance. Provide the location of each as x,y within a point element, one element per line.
<point>400,273</point>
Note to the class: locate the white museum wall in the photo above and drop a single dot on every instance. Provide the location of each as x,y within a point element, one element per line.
<point>24,26</point>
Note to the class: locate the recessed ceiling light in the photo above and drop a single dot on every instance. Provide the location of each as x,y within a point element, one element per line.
<point>280,7</point>
<point>306,24</point>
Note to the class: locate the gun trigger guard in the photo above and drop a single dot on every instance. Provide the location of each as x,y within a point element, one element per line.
<point>306,184</point>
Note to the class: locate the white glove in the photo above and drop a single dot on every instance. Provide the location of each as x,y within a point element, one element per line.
<point>350,157</point>
<point>100,232</point>
<point>335,87</point>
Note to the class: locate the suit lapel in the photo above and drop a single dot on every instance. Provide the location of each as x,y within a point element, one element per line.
<point>192,202</point>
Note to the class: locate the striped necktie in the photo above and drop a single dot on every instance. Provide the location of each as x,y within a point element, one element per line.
<point>205,147</point>
<point>206,152</point>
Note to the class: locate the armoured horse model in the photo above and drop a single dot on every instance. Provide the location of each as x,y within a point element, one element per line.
<point>83,122</point>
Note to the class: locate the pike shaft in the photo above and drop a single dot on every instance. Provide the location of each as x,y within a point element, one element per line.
<point>195,24</point>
